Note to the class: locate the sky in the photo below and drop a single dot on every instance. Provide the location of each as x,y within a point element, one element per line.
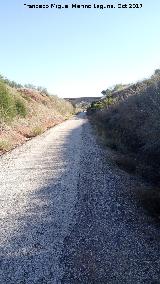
<point>79,52</point>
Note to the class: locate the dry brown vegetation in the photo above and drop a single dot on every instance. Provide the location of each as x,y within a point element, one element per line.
<point>25,113</point>
<point>130,124</point>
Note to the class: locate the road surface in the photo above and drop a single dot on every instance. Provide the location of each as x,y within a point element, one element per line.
<point>67,215</point>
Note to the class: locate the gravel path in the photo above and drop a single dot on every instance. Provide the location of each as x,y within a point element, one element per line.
<point>68,216</point>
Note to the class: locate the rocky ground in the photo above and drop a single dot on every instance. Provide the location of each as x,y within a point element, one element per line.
<point>69,216</point>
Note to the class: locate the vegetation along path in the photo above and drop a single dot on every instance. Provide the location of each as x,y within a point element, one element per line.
<point>69,216</point>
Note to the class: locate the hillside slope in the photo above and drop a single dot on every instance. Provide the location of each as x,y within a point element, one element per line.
<point>25,113</point>
<point>129,121</point>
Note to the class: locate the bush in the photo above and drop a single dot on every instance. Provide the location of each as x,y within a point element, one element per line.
<point>7,104</point>
<point>20,107</point>
<point>10,105</point>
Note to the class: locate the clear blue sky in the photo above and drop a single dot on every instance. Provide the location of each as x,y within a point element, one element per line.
<point>79,52</point>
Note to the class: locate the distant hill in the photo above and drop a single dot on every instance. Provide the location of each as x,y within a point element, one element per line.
<point>82,102</point>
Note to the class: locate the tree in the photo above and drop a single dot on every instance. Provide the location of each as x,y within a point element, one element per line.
<point>1,77</point>
<point>103,92</point>
<point>106,92</point>
<point>157,72</point>
<point>30,86</point>
<point>43,90</point>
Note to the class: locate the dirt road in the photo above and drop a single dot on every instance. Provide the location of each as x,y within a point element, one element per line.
<point>68,216</point>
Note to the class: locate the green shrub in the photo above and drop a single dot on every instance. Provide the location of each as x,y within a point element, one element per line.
<point>11,105</point>
<point>20,107</point>
<point>7,104</point>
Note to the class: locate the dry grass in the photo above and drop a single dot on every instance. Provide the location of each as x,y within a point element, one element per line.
<point>37,130</point>
<point>26,113</point>
<point>131,125</point>
<point>4,145</point>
